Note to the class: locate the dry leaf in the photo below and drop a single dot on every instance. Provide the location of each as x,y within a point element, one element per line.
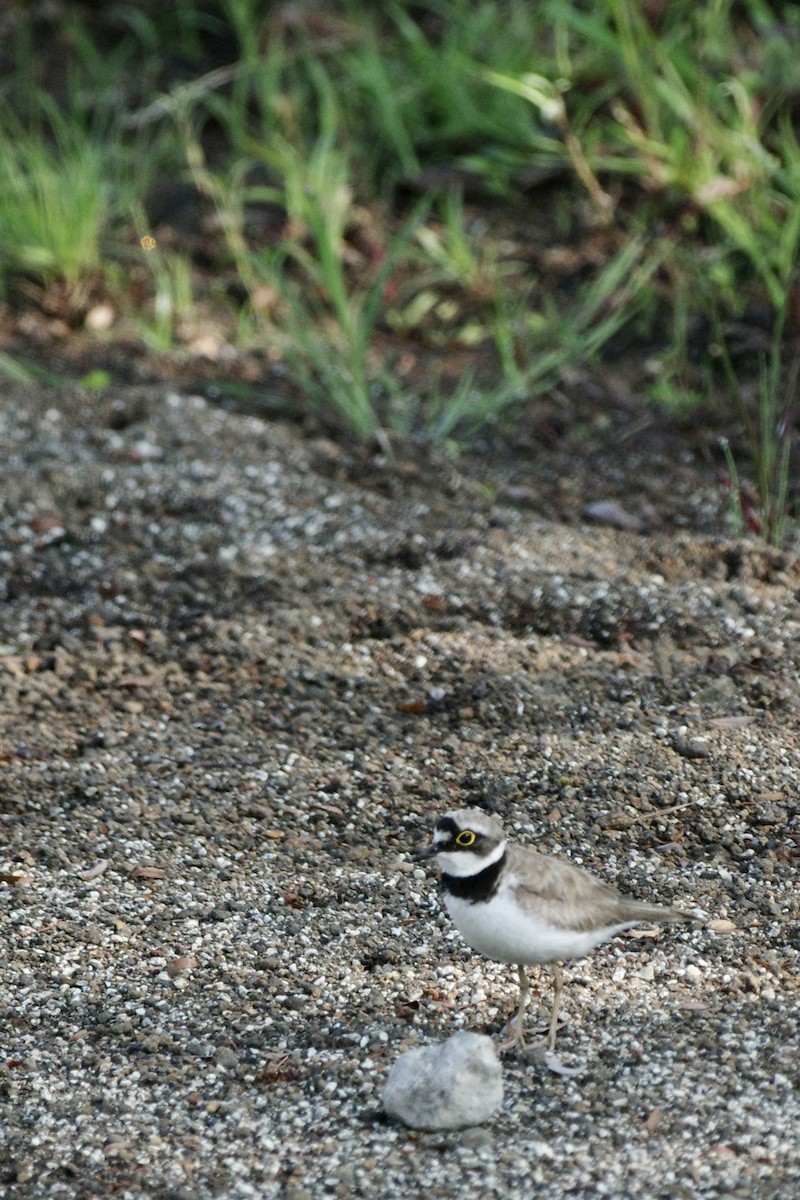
<point>554,1064</point>
<point>176,966</point>
<point>45,522</point>
<point>148,873</point>
<point>609,512</point>
<point>15,878</point>
<point>435,604</point>
<point>654,1120</point>
<point>730,722</point>
<point>721,926</point>
<point>575,639</point>
<point>98,869</point>
<point>273,834</point>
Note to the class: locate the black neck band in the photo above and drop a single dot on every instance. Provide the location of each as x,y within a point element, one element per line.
<point>475,887</point>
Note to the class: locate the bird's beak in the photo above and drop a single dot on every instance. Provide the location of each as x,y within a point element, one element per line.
<point>428,852</point>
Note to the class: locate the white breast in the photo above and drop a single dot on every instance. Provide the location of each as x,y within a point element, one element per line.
<point>503,931</point>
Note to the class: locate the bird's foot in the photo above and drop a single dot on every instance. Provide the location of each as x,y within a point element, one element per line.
<point>514,1038</point>
<point>538,1047</point>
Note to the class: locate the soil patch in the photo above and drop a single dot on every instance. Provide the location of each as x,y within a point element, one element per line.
<point>242,670</point>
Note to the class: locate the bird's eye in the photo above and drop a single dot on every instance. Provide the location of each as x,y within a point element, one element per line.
<point>465,838</point>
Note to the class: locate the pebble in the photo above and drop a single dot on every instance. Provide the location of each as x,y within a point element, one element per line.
<point>448,1085</point>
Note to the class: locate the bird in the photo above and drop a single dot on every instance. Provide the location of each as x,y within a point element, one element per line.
<point>517,906</point>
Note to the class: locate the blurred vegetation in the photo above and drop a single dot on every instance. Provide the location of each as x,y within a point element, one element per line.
<point>496,188</point>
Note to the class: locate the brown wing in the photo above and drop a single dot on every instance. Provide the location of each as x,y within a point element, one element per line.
<point>569,897</point>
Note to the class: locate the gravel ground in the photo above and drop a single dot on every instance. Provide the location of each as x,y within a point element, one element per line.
<point>242,669</point>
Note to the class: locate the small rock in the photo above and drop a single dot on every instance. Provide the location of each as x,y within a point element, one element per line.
<point>721,926</point>
<point>716,694</point>
<point>476,1139</point>
<point>451,1085</point>
<point>609,512</point>
<point>689,747</point>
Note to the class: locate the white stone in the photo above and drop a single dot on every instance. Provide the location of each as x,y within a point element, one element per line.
<point>450,1085</point>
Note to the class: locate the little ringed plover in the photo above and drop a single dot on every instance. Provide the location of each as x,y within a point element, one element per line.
<point>518,906</point>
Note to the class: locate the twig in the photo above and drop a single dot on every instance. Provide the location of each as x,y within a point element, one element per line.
<point>182,94</point>
<point>667,812</point>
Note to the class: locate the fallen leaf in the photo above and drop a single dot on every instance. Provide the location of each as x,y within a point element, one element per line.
<point>435,604</point>
<point>176,966</point>
<point>45,522</point>
<point>575,639</point>
<point>654,1120</point>
<point>98,869</point>
<point>15,878</point>
<point>609,512</point>
<point>730,722</point>
<point>273,834</point>
<point>554,1064</point>
<point>277,1071</point>
<point>147,873</point>
<point>721,926</point>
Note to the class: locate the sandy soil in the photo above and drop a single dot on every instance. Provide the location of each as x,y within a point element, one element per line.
<point>243,668</point>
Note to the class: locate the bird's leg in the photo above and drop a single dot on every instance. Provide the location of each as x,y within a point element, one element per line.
<point>524,985</point>
<point>558,980</point>
<point>517,1038</point>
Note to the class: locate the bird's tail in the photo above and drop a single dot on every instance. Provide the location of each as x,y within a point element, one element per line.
<point>642,911</point>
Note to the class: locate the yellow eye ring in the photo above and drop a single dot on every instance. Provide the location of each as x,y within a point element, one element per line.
<point>465,838</point>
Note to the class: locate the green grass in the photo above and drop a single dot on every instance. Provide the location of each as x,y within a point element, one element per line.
<point>55,198</point>
<point>769,439</point>
<point>672,128</point>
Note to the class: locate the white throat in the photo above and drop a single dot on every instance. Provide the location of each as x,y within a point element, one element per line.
<point>464,863</point>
